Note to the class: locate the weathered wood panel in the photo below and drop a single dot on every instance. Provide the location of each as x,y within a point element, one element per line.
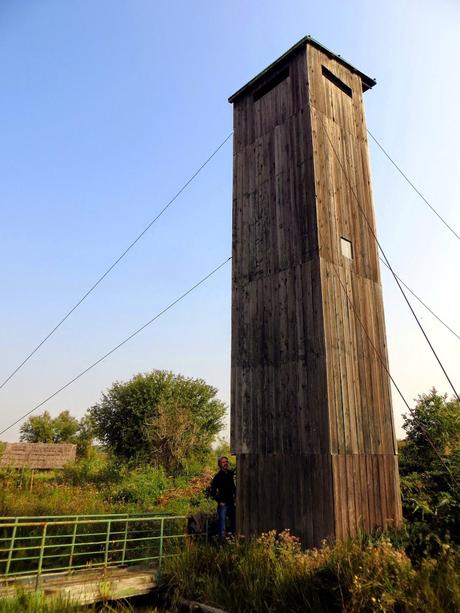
<point>86,586</point>
<point>276,381</point>
<point>362,439</point>
<point>287,491</point>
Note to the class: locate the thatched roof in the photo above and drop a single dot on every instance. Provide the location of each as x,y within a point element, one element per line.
<point>37,455</point>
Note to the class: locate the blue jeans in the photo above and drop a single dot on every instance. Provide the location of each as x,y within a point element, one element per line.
<point>224,511</point>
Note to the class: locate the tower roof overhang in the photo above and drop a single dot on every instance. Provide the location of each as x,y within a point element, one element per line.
<point>367,82</point>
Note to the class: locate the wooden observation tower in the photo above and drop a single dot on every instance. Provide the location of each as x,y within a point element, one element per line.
<point>311,415</point>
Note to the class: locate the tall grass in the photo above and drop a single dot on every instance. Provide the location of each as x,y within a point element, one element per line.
<point>36,602</point>
<point>100,485</point>
<point>272,574</point>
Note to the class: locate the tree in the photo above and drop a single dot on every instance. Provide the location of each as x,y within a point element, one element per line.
<point>38,429</point>
<point>85,436</point>
<point>46,429</point>
<point>430,466</point>
<point>158,418</point>
<point>433,433</point>
<point>61,429</point>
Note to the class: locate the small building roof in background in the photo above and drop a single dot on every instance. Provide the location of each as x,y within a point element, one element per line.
<point>44,456</point>
<point>366,81</point>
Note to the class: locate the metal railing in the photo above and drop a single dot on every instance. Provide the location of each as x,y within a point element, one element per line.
<point>55,544</point>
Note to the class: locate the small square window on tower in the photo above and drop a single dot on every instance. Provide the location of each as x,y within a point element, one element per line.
<point>346,247</point>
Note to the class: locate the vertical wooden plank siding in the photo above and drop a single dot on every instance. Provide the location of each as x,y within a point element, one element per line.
<point>359,403</point>
<point>311,417</point>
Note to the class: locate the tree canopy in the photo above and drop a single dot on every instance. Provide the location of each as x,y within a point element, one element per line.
<point>429,464</point>
<point>433,433</point>
<point>46,429</point>
<point>61,429</point>
<point>158,418</point>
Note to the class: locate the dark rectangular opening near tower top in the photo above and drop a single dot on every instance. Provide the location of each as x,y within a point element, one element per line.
<point>275,80</point>
<point>311,414</point>
<point>337,82</point>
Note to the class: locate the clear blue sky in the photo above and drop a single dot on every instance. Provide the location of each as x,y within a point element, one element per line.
<point>107,107</point>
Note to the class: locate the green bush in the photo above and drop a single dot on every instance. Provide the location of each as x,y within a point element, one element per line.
<point>194,465</point>
<point>429,463</point>
<point>99,485</point>
<point>52,499</point>
<point>140,486</point>
<point>166,419</point>
<point>98,469</point>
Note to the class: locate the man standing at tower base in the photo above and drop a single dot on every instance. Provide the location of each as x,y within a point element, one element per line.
<point>223,491</point>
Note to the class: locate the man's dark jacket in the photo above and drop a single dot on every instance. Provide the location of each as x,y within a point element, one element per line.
<point>223,487</point>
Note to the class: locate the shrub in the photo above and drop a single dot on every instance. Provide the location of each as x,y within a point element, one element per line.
<point>429,464</point>
<point>97,469</point>
<point>140,486</point>
<point>166,419</point>
<point>273,574</point>
<point>52,499</point>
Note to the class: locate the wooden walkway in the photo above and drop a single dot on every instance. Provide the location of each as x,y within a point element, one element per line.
<point>86,586</point>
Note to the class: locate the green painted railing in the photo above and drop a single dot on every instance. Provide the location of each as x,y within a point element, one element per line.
<point>55,544</point>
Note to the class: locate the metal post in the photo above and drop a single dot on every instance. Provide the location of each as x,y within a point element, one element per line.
<point>74,538</point>
<point>107,541</point>
<point>40,559</point>
<point>10,551</point>
<point>162,523</point>
<point>125,542</point>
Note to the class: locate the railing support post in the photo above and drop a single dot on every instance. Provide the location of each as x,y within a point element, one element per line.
<point>72,546</point>
<point>10,551</point>
<point>107,542</point>
<point>162,524</point>
<point>40,559</point>
<point>125,542</point>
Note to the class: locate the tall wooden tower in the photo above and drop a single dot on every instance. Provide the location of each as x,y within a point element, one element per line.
<point>311,415</point>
